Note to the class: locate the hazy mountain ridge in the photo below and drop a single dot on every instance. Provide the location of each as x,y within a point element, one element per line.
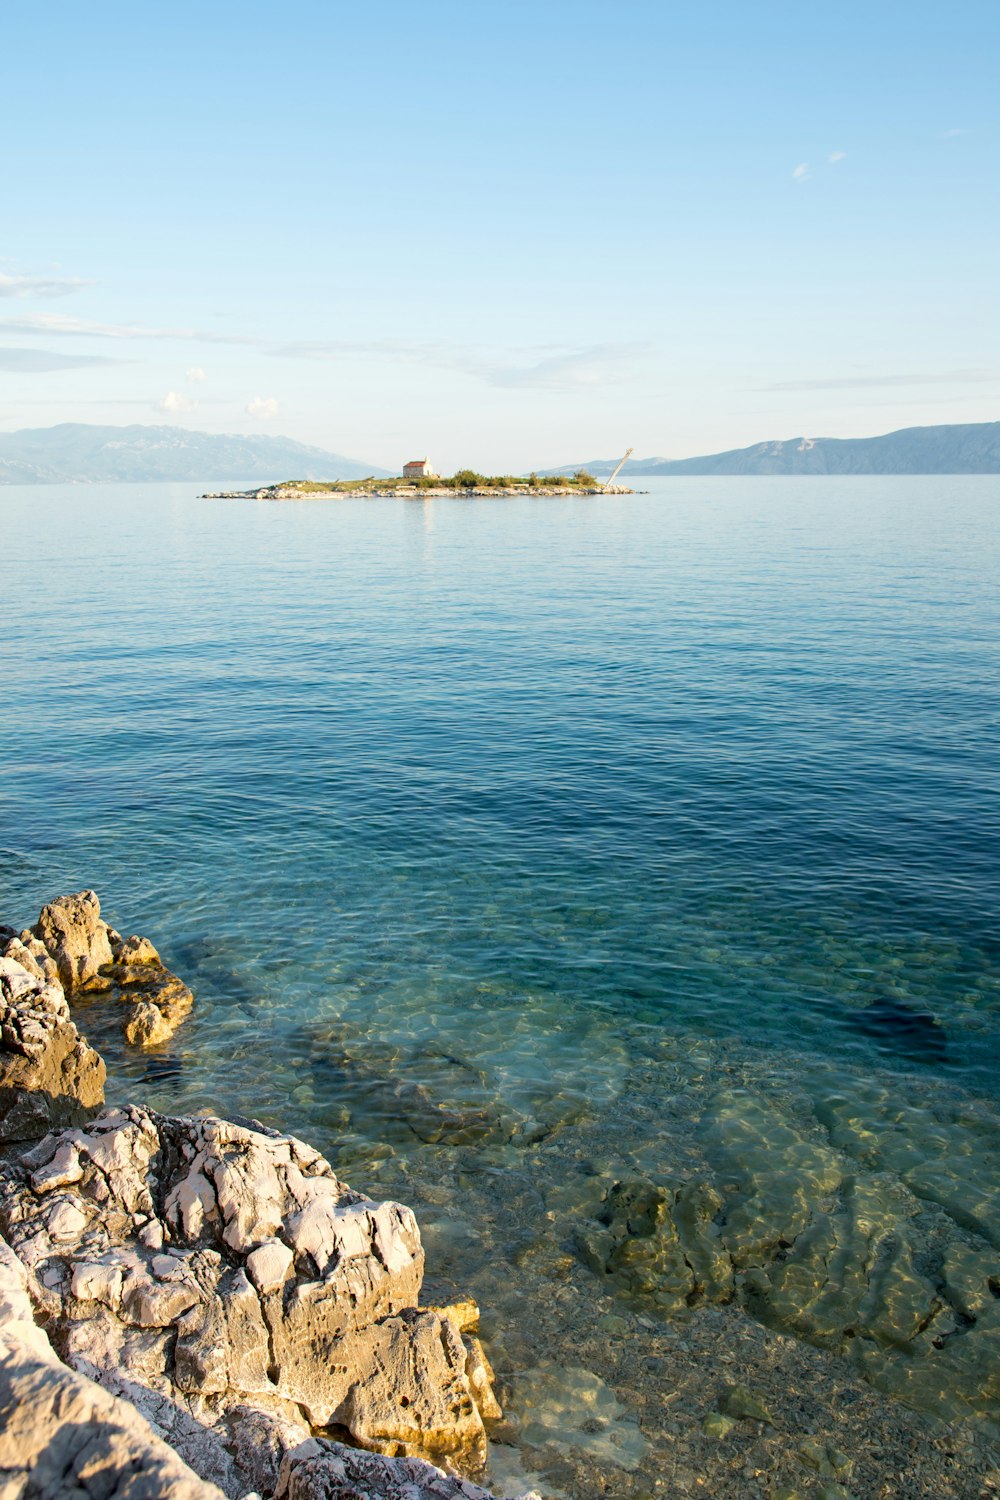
<point>959,448</point>
<point>76,452</point>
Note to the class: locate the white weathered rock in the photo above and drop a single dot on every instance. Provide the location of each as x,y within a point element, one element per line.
<point>26,950</point>
<point>269,1265</point>
<point>201,1268</point>
<point>210,1286</point>
<point>48,1074</point>
<point>60,1434</point>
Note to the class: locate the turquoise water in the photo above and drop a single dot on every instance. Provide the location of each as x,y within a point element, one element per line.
<point>468,811</point>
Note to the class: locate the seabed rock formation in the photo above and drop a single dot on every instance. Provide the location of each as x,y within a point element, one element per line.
<point>197,1306</point>
<point>852,1262</point>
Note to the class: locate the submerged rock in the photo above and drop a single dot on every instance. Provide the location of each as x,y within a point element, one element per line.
<point>661,1242</point>
<point>740,1402</point>
<point>810,1245</point>
<point>425,1092</point>
<point>898,1028</point>
<point>569,1408</point>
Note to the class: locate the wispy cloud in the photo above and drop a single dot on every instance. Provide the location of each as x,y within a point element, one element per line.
<point>567,369</point>
<point>50,324</point>
<point>836,156</point>
<point>262,408</point>
<point>871,382</point>
<point>40,286</point>
<point>547,367</point>
<point>801,172</point>
<point>175,404</point>
<point>42,361</point>
<point>949,135</point>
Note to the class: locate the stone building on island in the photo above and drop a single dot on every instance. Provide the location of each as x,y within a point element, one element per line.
<point>418,468</point>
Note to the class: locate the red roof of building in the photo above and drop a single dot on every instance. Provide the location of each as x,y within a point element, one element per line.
<point>411,461</point>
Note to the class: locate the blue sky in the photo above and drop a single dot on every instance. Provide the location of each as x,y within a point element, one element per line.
<point>501,235</point>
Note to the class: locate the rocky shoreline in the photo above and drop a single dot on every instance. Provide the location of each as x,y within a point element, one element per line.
<point>197,1306</point>
<point>410,492</point>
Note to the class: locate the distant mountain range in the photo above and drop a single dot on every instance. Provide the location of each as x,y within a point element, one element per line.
<point>961,448</point>
<point>75,452</point>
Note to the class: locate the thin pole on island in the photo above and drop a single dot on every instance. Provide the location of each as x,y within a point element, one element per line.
<point>628,455</point>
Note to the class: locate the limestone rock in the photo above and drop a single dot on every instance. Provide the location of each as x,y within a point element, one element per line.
<point>49,1076</point>
<point>411,1397</point>
<point>202,1268</point>
<point>156,1001</point>
<point>145,1025</point>
<point>133,950</point>
<point>60,1434</point>
<point>71,943</point>
<point>259,1441</point>
<point>25,949</point>
<point>71,930</point>
<point>322,1470</point>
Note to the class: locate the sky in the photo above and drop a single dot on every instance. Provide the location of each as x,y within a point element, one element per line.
<point>501,235</point>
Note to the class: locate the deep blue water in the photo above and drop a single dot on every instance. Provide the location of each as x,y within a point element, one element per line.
<point>722,757</point>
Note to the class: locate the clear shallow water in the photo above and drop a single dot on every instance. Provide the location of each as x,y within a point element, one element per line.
<point>485,807</point>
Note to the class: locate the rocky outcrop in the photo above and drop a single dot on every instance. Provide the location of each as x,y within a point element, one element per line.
<point>60,1434</point>
<point>49,1077</point>
<point>74,936</point>
<point>86,955</point>
<point>155,1000</point>
<point>216,1275</point>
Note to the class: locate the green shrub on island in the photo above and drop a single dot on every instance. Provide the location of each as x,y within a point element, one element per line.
<point>469,479</point>
<point>324,486</point>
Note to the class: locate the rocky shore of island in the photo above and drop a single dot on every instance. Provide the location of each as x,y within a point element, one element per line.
<point>390,490</point>
<point>197,1306</point>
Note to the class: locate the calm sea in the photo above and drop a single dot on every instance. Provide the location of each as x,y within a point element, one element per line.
<point>464,806</point>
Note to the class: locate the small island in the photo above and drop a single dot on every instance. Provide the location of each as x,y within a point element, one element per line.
<point>426,484</point>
